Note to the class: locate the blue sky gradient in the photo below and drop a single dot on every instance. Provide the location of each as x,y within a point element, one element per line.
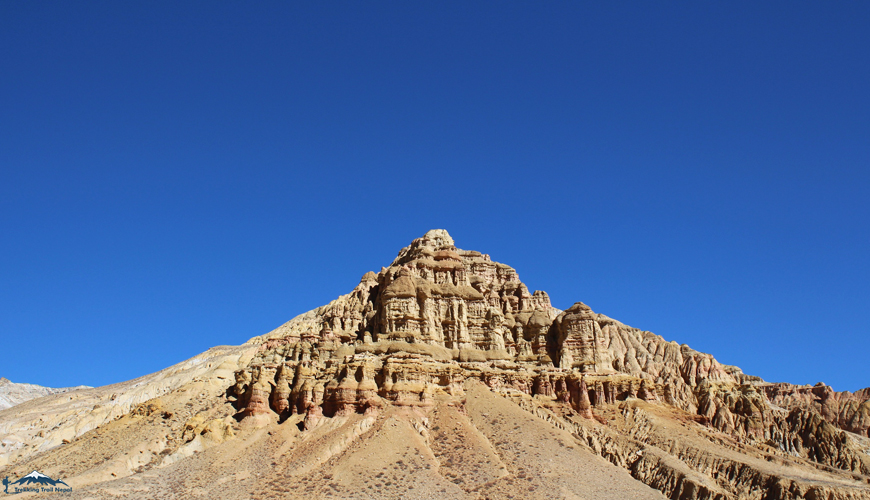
<point>179,176</point>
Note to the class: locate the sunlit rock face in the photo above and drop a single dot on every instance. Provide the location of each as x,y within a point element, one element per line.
<point>438,316</point>
<point>403,334</point>
<point>443,331</point>
<point>434,293</point>
<point>440,295</point>
<point>580,342</point>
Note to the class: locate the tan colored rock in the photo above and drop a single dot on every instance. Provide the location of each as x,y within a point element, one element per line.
<point>580,342</point>
<point>12,394</point>
<point>445,367</point>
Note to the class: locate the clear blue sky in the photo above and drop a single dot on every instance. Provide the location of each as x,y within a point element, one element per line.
<point>174,177</point>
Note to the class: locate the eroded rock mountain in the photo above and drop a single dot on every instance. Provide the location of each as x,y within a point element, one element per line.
<point>444,376</point>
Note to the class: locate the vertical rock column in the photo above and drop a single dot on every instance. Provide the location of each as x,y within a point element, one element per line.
<point>580,396</point>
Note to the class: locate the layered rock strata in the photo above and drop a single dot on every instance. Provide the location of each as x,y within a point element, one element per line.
<point>456,313</point>
<point>439,315</point>
<point>449,336</point>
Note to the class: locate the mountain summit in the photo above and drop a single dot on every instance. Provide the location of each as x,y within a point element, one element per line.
<point>444,376</point>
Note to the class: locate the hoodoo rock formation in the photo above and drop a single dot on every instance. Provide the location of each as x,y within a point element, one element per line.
<point>449,354</point>
<point>439,315</point>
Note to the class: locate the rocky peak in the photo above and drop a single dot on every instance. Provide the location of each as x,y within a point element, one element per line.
<point>438,316</point>
<point>453,348</point>
<point>437,294</point>
<point>434,240</point>
<point>443,305</point>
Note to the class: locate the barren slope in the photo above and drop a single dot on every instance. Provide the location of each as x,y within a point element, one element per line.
<point>12,394</point>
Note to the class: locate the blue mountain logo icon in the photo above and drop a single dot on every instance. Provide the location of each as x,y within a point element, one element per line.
<point>34,477</point>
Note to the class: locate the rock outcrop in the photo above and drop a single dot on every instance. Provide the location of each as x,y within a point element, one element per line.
<point>448,332</point>
<point>439,315</point>
<point>457,313</point>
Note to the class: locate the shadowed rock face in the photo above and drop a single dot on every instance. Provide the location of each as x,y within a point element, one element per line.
<point>441,331</point>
